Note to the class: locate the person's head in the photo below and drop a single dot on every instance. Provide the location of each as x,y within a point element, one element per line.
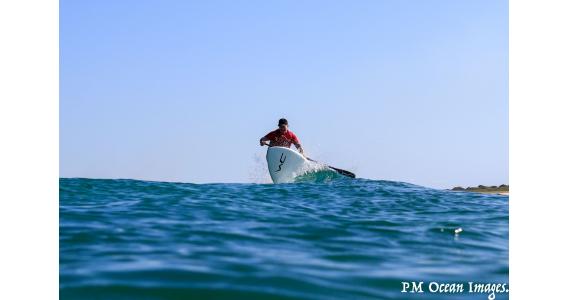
<point>283,125</point>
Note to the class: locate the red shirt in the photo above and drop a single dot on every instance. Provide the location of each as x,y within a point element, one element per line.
<point>278,138</point>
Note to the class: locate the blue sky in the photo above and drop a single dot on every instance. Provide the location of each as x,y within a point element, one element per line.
<point>413,91</point>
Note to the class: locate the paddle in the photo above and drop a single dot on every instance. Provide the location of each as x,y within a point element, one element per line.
<point>340,171</point>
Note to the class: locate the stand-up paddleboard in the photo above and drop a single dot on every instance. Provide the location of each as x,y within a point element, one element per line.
<point>284,164</point>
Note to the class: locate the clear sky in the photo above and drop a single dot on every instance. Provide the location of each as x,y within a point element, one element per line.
<point>410,90</point>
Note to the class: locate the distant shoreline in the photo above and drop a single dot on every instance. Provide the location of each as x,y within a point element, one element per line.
<point>499,190</point>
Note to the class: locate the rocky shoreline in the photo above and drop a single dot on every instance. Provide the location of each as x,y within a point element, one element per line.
<point>500,190</point>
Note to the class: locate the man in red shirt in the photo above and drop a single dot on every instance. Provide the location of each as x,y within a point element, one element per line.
<point>282,137</point>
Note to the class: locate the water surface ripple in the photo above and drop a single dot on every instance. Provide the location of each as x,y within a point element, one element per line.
<point>344,239</point>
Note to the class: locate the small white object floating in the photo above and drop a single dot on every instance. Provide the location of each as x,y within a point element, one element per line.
<point>284,164</point>
<point>458,230</point>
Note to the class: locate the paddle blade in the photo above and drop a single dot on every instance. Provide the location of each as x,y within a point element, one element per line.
<point>340,171</point>
<point>343,172</point>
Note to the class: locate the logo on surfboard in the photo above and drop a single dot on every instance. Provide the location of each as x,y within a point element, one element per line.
<point>282,160</point>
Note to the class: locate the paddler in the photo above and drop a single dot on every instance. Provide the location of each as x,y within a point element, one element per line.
<point>282,137</point>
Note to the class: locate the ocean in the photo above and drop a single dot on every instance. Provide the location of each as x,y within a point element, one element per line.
<point>331,238</point>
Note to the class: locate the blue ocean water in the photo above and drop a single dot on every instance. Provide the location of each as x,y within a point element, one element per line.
<point>336,238</point>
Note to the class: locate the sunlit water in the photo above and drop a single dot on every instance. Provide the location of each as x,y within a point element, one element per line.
<point>321,238</point>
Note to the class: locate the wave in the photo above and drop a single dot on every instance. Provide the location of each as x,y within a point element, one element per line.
<point>323,237</point>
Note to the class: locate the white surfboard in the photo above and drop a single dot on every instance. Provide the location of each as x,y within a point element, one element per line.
<point>284,164</point>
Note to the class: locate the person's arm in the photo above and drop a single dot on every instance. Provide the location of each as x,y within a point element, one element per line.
<point>264,140</point>
<point>300,149</point>
<point>296,143</point>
